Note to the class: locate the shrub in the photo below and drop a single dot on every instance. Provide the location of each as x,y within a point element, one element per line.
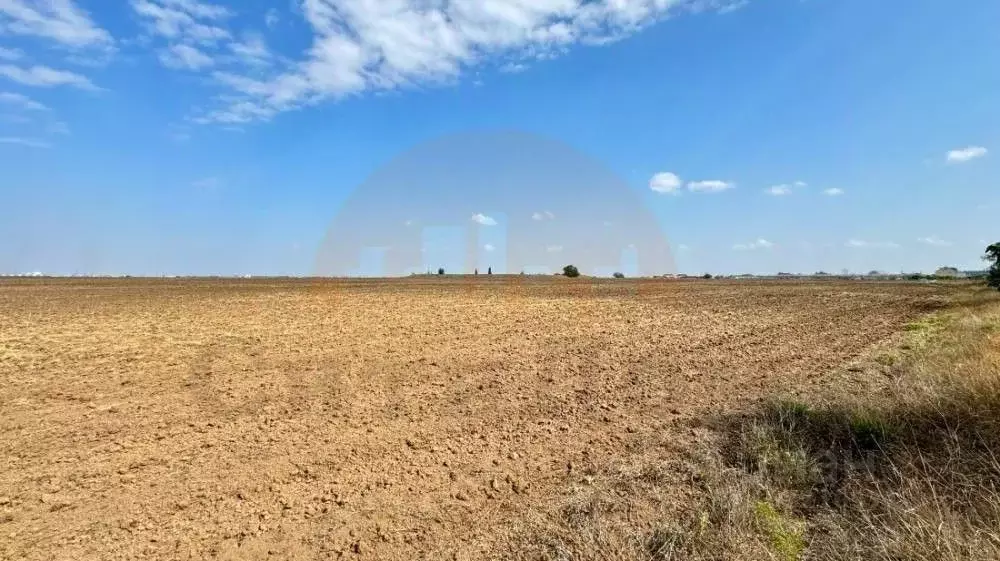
<point>441,271</point>
<point>571,271</point>
<point>619,275</point>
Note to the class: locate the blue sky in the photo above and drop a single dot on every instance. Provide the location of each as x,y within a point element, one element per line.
<point>188,137</point>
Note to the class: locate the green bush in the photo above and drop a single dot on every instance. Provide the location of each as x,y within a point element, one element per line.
<point>571,271</point>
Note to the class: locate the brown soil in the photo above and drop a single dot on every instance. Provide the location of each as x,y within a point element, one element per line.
<point>417,418</point>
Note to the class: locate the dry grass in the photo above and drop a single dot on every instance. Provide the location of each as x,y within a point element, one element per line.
<point>906,471</point>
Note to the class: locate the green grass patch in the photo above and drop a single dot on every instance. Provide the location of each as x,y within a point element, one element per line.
<point>784,534</point>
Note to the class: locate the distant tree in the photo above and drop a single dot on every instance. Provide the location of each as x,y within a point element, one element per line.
<point>489,271</point>
<point>993,257</point>
<point>619,275</point>
<point>571,271</point>
<point>947,272</point>
<point>441,271</point>
<point>706,276</point>
<point>477,271</point>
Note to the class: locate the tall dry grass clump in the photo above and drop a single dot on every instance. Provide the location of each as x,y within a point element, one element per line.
<point>910,472</point>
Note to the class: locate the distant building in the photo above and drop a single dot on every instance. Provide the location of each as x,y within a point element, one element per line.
<point>949,273</point>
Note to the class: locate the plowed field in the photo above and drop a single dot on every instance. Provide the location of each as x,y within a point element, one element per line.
<point>416,418</point>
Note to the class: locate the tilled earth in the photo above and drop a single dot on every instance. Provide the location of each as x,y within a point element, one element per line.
<point>414,418</point>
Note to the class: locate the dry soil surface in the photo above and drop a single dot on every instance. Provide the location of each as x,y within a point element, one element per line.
<point>416,418</point>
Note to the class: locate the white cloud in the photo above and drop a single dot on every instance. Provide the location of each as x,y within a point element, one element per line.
<point>183,20</point>
<point>271,18</point>
<point>710,186</point>
<point>833,192</point>
<point>489,247</point>
<point>252,50</point>
<point>185,56</point>
<point>760,243</point>
<point>546,215</point>
<point>207,183</point>
<point>483,220</point>
<point>665,182</point>
<point>963,155</point>
<point>57,127</point>
<point>732,7</point>
<point>58,20</point>
<point>43,76</point>
<point>21,101</point>
<point>199,9</point>
<point>10,54</point>
<point>683,247</point>
<point>785,188</point>
<point>29,142</point>
<point>365,45</point>
<point>872,245</point>
<point>554,248</point>
<point>513,68</point>
<point>934,241</point>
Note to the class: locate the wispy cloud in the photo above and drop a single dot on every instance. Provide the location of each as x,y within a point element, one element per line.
<point>833,192</point>
<point>28,142</point>
<point>785,188</point>
<point>61,21</point>
<point>183,20</point>
<point>489,247</point>
<point>732,7</point>
<point>207,183</point>
<point>710,186</point>
<point>252,50</point>
<point>872,245</point>
<point>43,76</point>
<point>665,182</point>
<point>483,220</point>
<point>21,102</point>
<point>934,241</point>
<point>546,215</point>
<point>185,56</point>
<point>967,154</point>
<point>360,46</point>
<point>57,127</point>
<point>10,54</point>
<point>554,249</point>
<point>760,243</point>
<point>271,18</point>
